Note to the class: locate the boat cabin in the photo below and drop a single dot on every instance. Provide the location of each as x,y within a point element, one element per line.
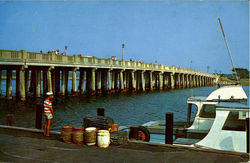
<point>228,131</point>
<point>206,111</point>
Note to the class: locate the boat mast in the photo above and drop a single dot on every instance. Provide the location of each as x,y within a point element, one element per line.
<point>237,79</point>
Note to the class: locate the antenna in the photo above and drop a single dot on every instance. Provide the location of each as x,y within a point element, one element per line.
<point>237,79</point>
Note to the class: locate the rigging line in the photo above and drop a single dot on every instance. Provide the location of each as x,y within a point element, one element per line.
<point>237,79</point>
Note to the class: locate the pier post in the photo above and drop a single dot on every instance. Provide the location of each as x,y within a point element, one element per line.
<point>164,81</point>
<point>38,83</point>
<point>9,85</point>
<point>143,80</point>
<point>124,81</point>
<point>22,86</point>
<point>172,80</point>
<point>169,128</point>
<point>10,119</point>
<point>0,82</point>
<point>100,111</point>
<point>191,81</point>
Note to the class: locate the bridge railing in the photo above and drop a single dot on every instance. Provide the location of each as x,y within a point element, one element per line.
<point>34,57</point>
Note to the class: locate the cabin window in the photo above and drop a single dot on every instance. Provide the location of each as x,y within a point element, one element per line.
<point>233,122</point>
<point>207,111</point>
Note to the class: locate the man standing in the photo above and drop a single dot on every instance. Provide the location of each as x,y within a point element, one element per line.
<point>48,112</point>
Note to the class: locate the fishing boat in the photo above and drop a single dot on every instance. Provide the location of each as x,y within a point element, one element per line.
<point>205,113</point>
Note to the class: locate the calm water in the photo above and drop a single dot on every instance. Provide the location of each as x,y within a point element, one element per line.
<point>126,109</point>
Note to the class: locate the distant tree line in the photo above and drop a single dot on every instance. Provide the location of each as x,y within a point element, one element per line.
<point>242,73</point>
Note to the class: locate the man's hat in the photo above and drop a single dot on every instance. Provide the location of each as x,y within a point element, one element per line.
<point>49,93</point>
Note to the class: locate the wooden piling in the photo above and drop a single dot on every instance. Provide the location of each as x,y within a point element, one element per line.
<point>10,119</point>
<point>9,85</point>
<point>169,128</point>
<point>39,116</point>
<point>134,132</point>
<point>100,111</point>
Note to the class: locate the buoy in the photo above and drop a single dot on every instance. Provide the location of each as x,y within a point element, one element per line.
<point>66,134</point>
<point>103,138</point>
<point>78,135</point>
<point>90,136</point>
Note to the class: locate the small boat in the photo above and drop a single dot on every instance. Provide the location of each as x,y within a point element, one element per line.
<point>230,130</point>
<point>205,113</point>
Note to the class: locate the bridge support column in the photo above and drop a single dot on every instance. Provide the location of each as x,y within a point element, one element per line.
<point>22,84</point>
<point>183,81</point>
<point>113,82</point>
<point>133,81</point>
<point>32,81</point>
<point>63,87</point>
<point>160,81</point>
<point>93,90</point>
<point>165,80</point>
<point>104,80</point>
<point>45,82</point>
<point>26,82</point>
<point>121,81</point>
<point>81,83</point>
<point>9,85</point>
<point>49,80</point>
<point>151,80</point>
<point>38,83</point>
<point>172,80</point>
<point>99,81</point>
<point>74,87</point>
<point>143,80</point>
<point>57,82</point>
<point>109,81</point>
<point>66,82</point>
<point>17,83</point>
<point>116,81</point>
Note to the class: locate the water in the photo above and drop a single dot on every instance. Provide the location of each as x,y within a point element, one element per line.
<point>126,109</point>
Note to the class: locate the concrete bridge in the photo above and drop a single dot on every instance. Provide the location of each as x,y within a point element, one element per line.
<point>97,75</point>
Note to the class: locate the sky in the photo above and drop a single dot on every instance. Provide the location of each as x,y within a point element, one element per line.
<point>177,33</point>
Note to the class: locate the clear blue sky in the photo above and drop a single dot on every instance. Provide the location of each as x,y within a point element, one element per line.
<point>169,32</point>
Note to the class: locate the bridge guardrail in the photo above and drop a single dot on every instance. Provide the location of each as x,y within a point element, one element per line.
<point>34,57</point>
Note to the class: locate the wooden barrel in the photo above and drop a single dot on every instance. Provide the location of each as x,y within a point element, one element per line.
<point>103,138</point>
<point>66,134</point>
<point>90,136</point>
<point>78,135</point>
